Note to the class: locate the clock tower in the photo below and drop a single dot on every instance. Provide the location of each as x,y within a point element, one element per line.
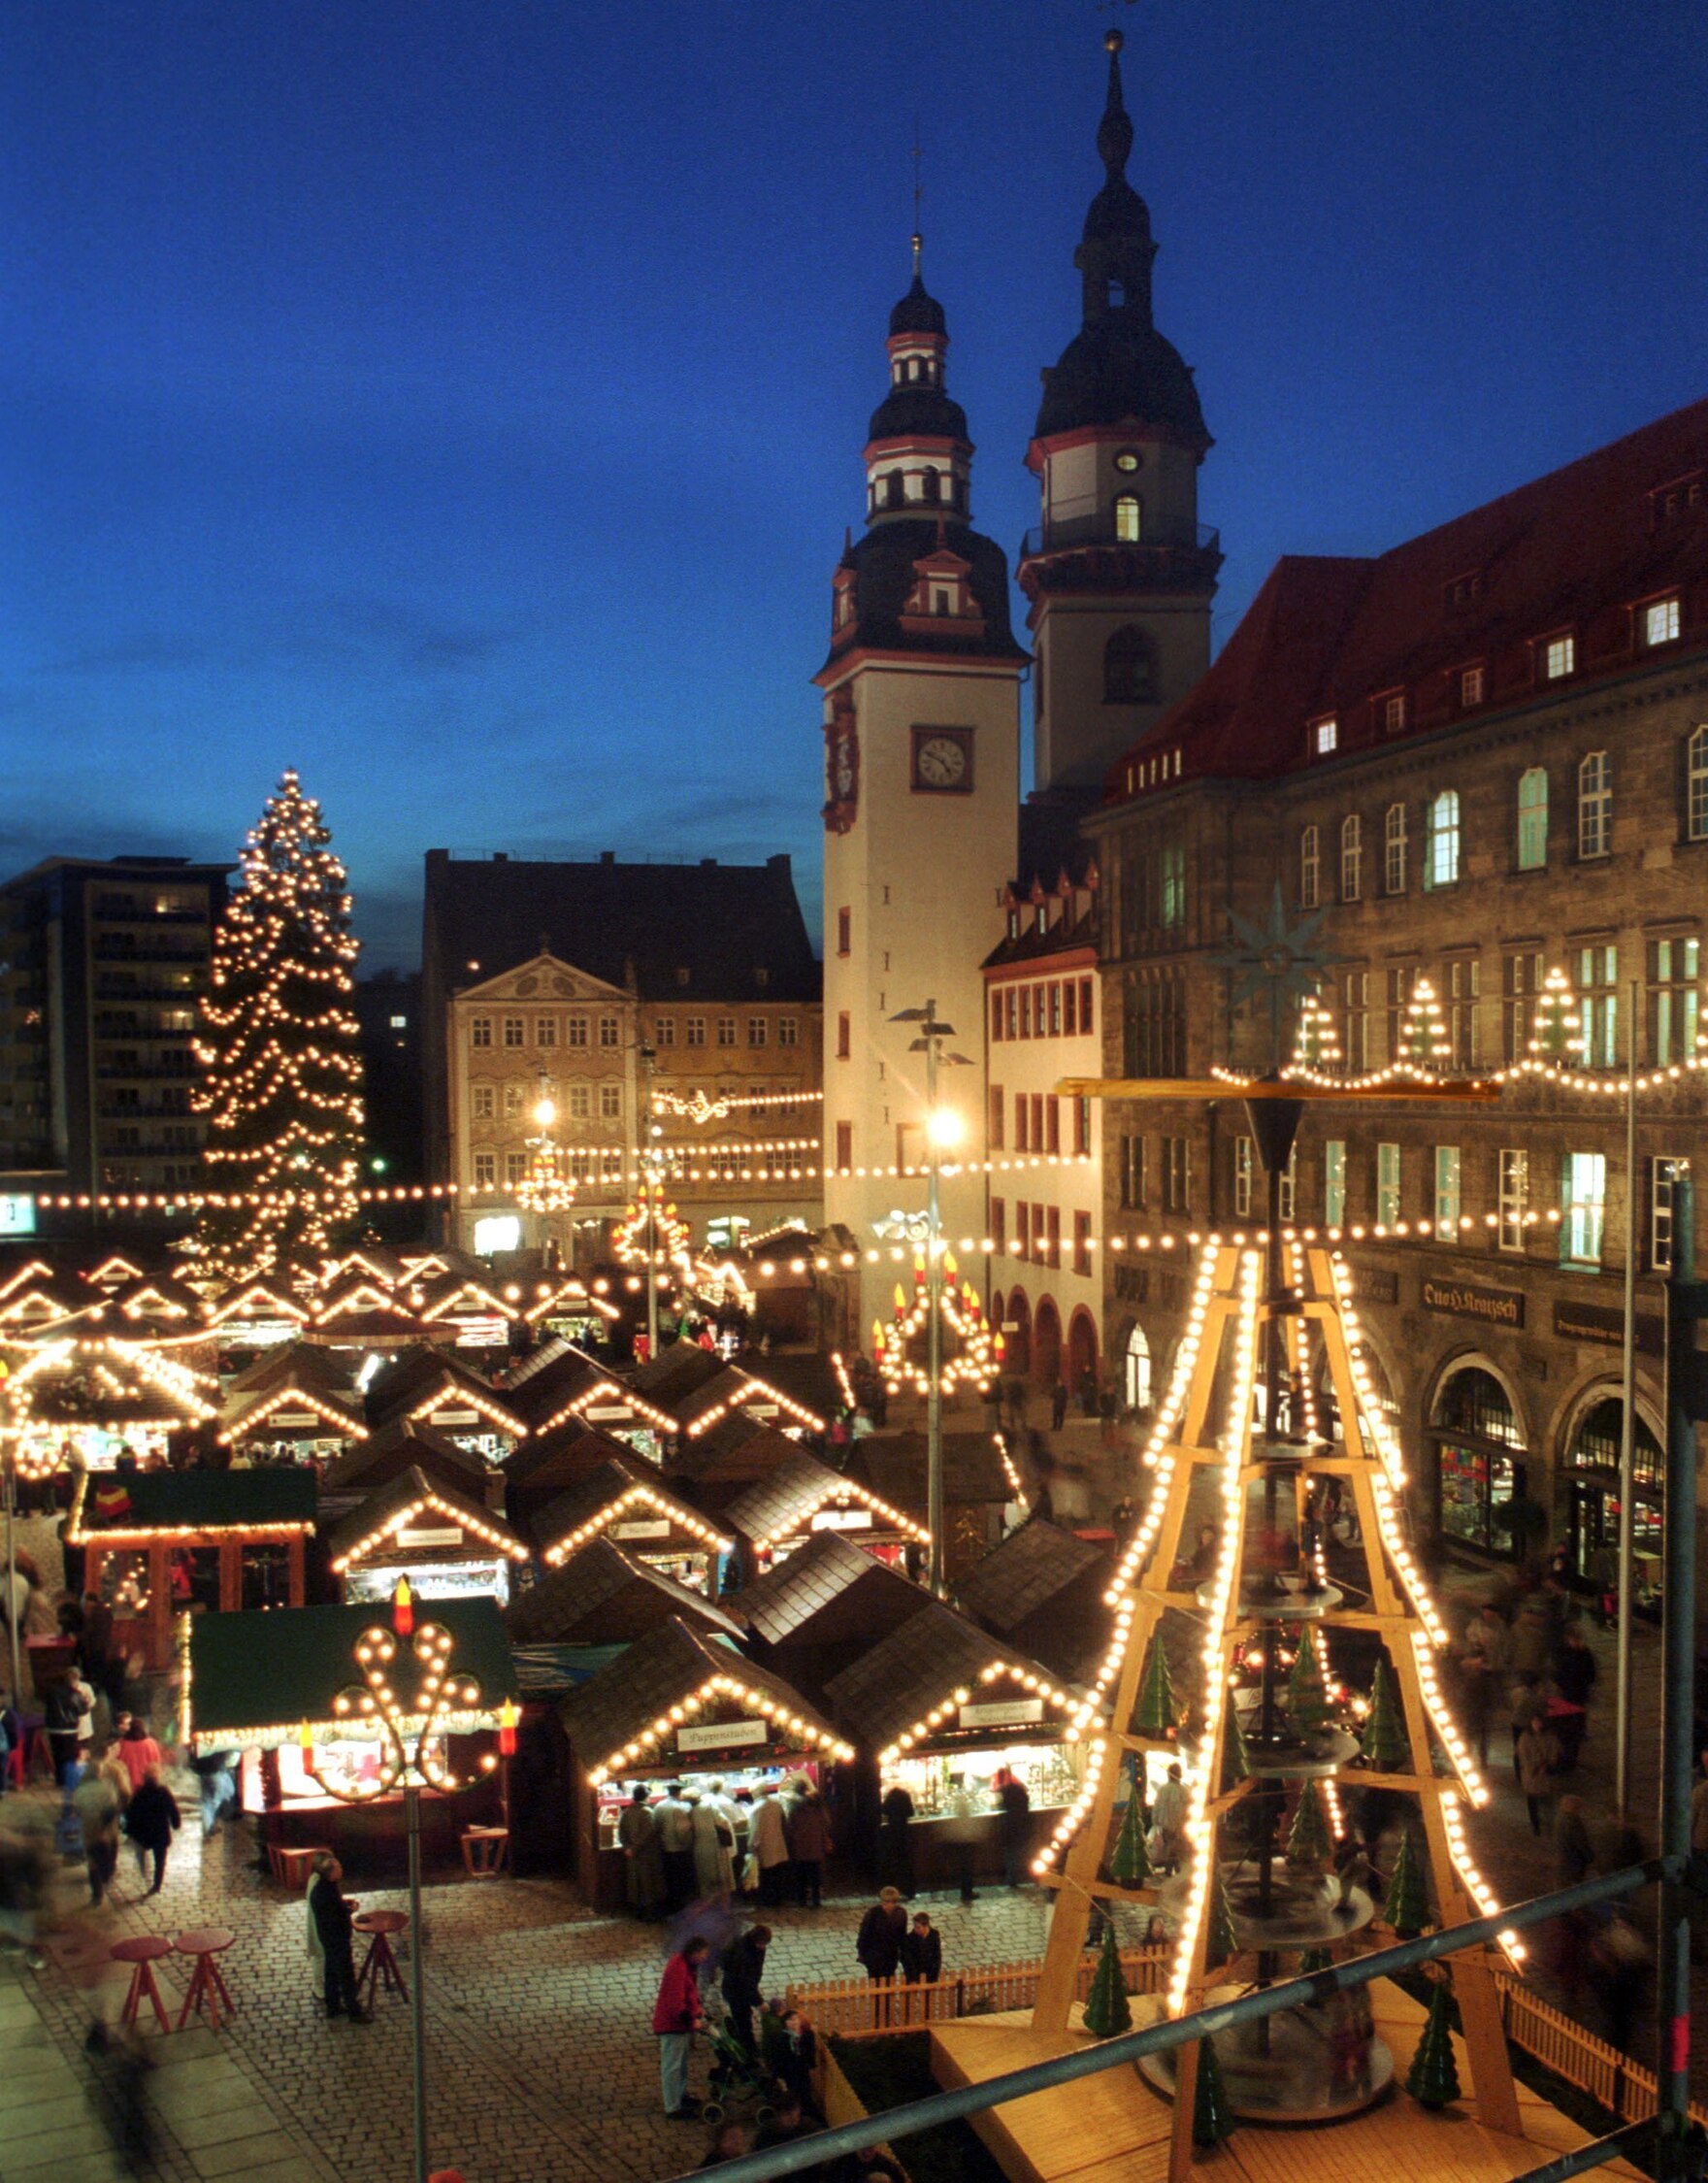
<point>922,755</point>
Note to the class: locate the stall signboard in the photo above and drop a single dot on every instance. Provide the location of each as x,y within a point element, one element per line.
<point>1012,1712</point>
<point>18,1214</point>
<point>841,1519</point>
<point>721,1735</point>
<point>444,1417</point>
<point>653,1527</point>
<point>292,1419</point>
<point>603,1413</point>
<point>432,1535</point>
<point>489,1333</point>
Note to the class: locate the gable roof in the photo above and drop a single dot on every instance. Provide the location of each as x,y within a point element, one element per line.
<point>618,1492</point>
<point>295,1395</point>
<point>671,932</point>
<point>391,1450</point>
<point>896,1464</point>
<point>603,1595</point>
<point>373,1527</point>
<point>427,1383</point>
<point>919,1668</point>
<point>1030,1567</point>
<point>278,1497</point>
<point>816,1585</point>
<point>785,1500</point>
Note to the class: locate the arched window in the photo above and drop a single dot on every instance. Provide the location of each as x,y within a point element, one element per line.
<point>1480,1459</point>
<point>1532,819</point>
<point>1136,1369</point>
<point>1696,786</point>
<point>1130,668</point>
<point>1441,850</point>
<point>931,485</point>
<point>1352,858</point>
<point>1128,518</point>
<point>1595,805</point>
<point>894,489</point>
<point>1310,868</point>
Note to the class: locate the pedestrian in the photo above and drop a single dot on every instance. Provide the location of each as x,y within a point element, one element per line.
<point>741,1810</point>
<point>922,1951</point>
<point>62,1710</point>
<point>676,1843</point>
<point>332,1939</point>
<point>1124,1519</point>
<point>810,1844</point>
<point>643,1857</point>
<point>1574,1853</point>
<point>1205,1554</point>
<point>878,1943</point>
<point>1574,1678</point>
<point>138,1750</point>
<point>1016,1807</point>
<point>217,1785</point>
<point>677,2015</point>
<point>152,1818</point>
<point>98,1805</point>
<point>770,1835</point>
<point>894,1840</point>
<point>740,1973</point>
<point>1168,1842</point>
<point>714,1845</point>
<point>1623,1962</point>
<point>1538,1754</point>
<point>1523,1702</point>
<point>1058,1405</point>
<point>1483,1663</point>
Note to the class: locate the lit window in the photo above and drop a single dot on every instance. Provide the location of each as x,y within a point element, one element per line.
<point>1173,883</point>
<point>1310,868</point>
<point>1470,685</point>
<point>1441,850</point>
<point>1128,518</point>
<point>1242,1174</point>
<point>1674,966</point>
<point>1595,805</point>
<point>1334,1181</point>
<point>400,1022</point>
<point>1352,858</point>
<point>1515,1197</point>
<point>1598,1005</point>
<point>1394,714</point>
<point>1532,819</point>
<point>1289,1191</point>
<point>1696,786</point>
<point>1394,849</point>
<point>1559,658</point>
<point>1583,1195</point>
<point>1387,1185</point>
<point>1447,1189</point>
<point>1660,622</point>
<point>1326,735</point>
<point>1128,460</point>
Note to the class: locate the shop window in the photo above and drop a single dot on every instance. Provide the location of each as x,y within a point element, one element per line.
<point>1593,1463</point>
<point>1479,1447</point>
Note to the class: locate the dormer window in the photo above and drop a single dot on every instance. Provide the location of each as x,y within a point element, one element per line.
<point>1660,623</point>
<point>1394,714</point>
<point>1559,658</point>
<point>1470,686</point>
<point>1465,588</point>
<point>1325,738</point>
<point>942,599</point>
<point>1128,518</point>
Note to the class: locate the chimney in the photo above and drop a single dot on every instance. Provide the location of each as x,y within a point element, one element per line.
<point>608,856</point>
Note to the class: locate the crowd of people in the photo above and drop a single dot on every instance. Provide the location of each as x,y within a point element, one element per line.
<point>697,1842</point>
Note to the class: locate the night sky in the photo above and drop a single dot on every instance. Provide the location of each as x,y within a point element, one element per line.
<point>464,402</point>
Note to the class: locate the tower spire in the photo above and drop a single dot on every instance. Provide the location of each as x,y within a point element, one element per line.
<point>1115,129</point>
<point>918,237</point>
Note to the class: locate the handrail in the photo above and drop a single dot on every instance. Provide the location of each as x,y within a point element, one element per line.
<point>800,2153</point>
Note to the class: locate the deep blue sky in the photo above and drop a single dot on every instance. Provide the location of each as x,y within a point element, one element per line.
<point>462,400</point>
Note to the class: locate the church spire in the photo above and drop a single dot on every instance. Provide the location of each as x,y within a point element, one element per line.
<point>1115,252</point>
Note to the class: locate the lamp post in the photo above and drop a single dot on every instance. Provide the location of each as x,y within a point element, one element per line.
<point>652,1165</point>
<point>944,1128</point>
<point>412,1764</point>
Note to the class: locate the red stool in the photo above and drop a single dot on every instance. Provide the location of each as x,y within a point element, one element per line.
<point>379,1963</point>
<point>143,1952</point>
<point>207,1988</point>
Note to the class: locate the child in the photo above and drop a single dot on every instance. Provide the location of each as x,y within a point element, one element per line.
<point>922,1951</point>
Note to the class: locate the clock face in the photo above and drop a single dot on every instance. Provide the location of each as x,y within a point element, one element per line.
<point>941,761</point>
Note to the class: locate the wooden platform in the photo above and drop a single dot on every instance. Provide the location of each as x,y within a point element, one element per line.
<point>1112,2128</point>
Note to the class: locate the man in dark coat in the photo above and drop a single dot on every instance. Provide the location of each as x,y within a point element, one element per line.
<point>336,1934</point>
<point>878,1943</point>
<point>150,1819</point>
<point>740,1973</point>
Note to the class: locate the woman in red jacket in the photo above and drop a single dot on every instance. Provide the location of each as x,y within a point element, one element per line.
<point>676,2016</point>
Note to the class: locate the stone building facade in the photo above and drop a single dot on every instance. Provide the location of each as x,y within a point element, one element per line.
<point>1483,757</point>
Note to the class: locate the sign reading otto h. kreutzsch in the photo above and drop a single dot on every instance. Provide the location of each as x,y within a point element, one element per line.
<point>1463,1300</point>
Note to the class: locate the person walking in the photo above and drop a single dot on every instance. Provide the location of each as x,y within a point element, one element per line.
<point>677,2015</point>
<point>922,1951</point>
<point>643,1857</point>
<point>332,1939</point>
<point>62,1710</point>
<point>676,1843</point>
<point>740,1973</point>
<point>810,1844</point>
<point>1574,1678</point>
<point>1523,1702</point>
<point>138,1750</point>
<point>1058,1405</point>
<point>217,1785</point>
<point>1573,1852</point>
<point>150,1820</point>
<point>1538,1754</point>
<point>894,1840</point>
<point>1169,1820</point>
<point>1016,1822</point>
<point>1483,1664</point>
<point>770,1845</point>
<point>98,1805</point>
<point>878,1942</point>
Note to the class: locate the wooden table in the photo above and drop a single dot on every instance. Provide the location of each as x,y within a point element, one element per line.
<point>207,1987</point>
<point>379,1963</point>
<point>143,1951</point>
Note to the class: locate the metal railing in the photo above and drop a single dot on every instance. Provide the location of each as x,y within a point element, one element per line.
<point>1098,529</point>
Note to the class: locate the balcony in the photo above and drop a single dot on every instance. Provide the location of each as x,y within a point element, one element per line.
<point>1067,534</point>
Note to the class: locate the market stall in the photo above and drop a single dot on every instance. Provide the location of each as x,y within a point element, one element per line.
<point>680,1705</point>
<point>265,1685</point>
<point>944,1712</point>
<point>627,1503</point>
<point>84,1401</point>
<point>603,1594</point>
<point>819,1610</point>
<point>1042,1591</point>
<point>295,1405</point>
<point>161,1542</point>
<point>804,1497</point>
<point>388,1451</point>
<point>446,1545</point>
<point>560,1386</point>
<point>253,1321</point>
<point>423,1388</point>
<point>979,1483</point>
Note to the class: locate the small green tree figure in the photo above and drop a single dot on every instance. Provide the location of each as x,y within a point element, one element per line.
<point>1106,2012</point>
<point>1309,1842</point>
<point>1314,1960</point>
<point>1385,1744</point>
<point>1221,1942</point>
<point>1236,1754</point>
<point>1308,1688</point>
<point>1407,1906</point>
<point>1130,1864</point>
<point>1434,2077</point>
<point>1212,2118</point>
<point>1154,1713</point>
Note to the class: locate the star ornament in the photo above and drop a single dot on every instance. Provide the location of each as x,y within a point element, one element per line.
<point>1277,963</point>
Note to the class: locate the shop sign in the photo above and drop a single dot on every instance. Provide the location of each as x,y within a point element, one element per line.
<point>1375,1284</point>
<point>841,1519</point>
<point>483,1334</point>
<point>721,1735</point>
<point>762,1409</point>
<point>603,1413</point>
<point>1602,1323</point>
<point>436,1535</point>
<point>1012,1712</point>
<point>1463,1300</point>
<point>457,1417</point>
<point>285,1419</point>
<point>654,1526</point>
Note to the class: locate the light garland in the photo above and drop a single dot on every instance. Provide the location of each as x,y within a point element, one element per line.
<point>994,1671</point>
<point>375,1707</point>
<point>293,1396</point>
<point>466,1517</point>
<point>756,1389</point>
<point>643,1747</point>
<point>607,1390</point>
<point>700,1105</point>
<point>651,1231</point>
<point>978,1356</point>
<point>613,1510</point>
<point>843,1490</point>
<point>460,1396</point>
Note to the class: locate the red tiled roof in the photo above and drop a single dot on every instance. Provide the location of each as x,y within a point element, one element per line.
<point>1574,552</point>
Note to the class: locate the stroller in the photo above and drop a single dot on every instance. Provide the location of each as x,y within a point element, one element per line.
<point>738,2081</point>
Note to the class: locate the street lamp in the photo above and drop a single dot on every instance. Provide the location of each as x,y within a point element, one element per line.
<point>412,1764</point>
<point>943,1130</point>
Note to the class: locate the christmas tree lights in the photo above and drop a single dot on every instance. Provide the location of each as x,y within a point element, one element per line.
<point>278,1048</point>
<point>977,1356</point>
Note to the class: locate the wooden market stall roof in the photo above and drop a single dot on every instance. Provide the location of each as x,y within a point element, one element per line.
<point>700,1408</point>
<point>301,1362</point>
<point>975,1473</point>
<point>391,1450</point>
<point>737,1451</point>
<point>784,1503</point>
<point>1032,1566</point>
<point>917,1678</point>
<point>297,1404</point>
<point>673,1374</point>
<point>548,1464</point>
<point>621,1490</point>
<point>112,1509</point>
<point>424,1385</point>
<point>629,1713</point>
<point>371,1532</point>
<point>255,1677</point>
<point>600,1594</point>
<point>824,1593</point>
<point>121,1385</point>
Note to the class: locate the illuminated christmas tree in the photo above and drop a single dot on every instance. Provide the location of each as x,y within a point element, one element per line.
<point>1423,1034</point>
<point>1557,1038</point>
<point>279,1053</point>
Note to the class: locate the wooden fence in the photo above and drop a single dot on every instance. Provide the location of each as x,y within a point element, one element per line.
<point>856,2008</point>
